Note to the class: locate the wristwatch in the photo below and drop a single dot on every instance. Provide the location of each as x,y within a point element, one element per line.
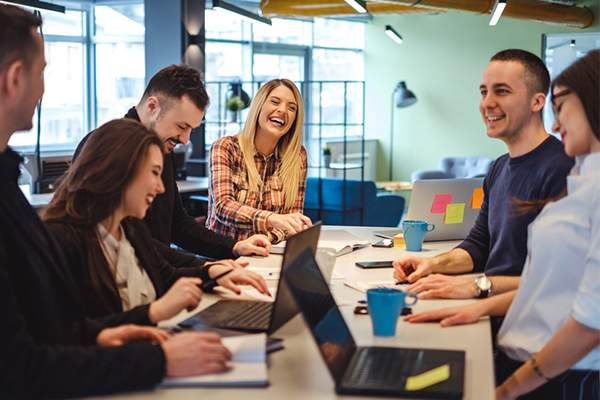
<point>483,285</point>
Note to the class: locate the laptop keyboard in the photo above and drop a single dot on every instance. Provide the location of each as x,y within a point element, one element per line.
<point>382,366</point>
<point>239,314</point>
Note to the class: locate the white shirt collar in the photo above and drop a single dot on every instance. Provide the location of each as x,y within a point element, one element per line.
<point>589,164</point>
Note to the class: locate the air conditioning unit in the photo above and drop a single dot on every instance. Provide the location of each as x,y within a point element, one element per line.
<point>52,168</point>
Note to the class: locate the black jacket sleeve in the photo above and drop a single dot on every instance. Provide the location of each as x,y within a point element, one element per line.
<point>192,236</point>
<point>31,369</point>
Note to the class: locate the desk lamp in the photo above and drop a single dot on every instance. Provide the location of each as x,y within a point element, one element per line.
<point>401,97</point>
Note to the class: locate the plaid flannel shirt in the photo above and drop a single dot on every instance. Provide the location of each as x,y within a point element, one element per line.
<point>238,212</point>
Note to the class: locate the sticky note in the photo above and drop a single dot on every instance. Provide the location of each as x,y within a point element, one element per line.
<point>454,213</point>
<point>440,201</point>
<point>428,378</point>
<point>399,240</point>
<point>477,198</point>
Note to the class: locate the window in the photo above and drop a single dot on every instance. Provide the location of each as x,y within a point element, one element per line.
<point>94,73</point>
<point>317,54</point>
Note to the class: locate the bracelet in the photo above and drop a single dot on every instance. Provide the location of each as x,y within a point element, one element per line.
<point>537,370</point>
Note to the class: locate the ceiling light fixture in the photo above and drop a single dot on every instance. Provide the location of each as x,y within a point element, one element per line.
<point>395,36</point>
<point>359,5</point>
<point>497,11</point>
<point>240,12</point>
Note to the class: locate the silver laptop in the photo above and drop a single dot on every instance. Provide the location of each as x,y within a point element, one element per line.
<point>427,200</point>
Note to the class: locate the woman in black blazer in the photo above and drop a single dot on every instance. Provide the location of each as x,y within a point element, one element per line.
<point>95,216</point>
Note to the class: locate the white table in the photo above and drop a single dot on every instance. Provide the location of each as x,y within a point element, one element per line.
<point>190,185</point>
<point>298,372</point>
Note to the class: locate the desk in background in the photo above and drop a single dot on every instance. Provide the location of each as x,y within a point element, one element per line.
<point>193,185</point>
<point>298,371</point>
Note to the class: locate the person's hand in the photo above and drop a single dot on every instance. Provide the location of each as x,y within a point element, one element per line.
<point>232,264</point>
<point>112,337</point>
<point>289,223</point>
<point>438,286</point>
<point>184,294</point>
<point>449,316</point>
<point>239,276</point>
<point>195,353</point>
<point>504,392</point>
<point>411,268</point>
<point>258,245</point>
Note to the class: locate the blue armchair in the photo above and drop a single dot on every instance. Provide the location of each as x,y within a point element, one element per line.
<point>362,200</point>
<point>456,167</point>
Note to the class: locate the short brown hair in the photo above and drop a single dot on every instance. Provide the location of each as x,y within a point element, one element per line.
<point>176,81</point>
<point>16,40</point>
<point>537,77</point>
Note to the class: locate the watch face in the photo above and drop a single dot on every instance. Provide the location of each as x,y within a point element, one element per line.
<point>483,283</point>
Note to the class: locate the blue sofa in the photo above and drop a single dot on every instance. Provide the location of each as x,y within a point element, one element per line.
<point>363,206</point>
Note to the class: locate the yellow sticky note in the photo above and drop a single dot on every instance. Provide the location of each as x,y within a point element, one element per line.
<point>477,198</point>
<point>454,213</point>
<point>399,240</point>
<point>428,378</point>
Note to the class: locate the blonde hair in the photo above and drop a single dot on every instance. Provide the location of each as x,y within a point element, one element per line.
<point>289,145</point>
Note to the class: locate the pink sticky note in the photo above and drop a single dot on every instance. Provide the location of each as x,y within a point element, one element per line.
<point>440,201</point>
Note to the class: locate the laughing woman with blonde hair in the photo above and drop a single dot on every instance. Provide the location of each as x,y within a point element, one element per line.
<point>258,177</point>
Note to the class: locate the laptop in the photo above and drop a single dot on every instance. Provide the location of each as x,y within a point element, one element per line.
<point>261,316</point>
<point>421,207</point>
<point>369,371</point>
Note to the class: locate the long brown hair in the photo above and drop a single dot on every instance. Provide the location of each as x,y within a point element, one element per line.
<point>93,188</point>
<point>581,78</point>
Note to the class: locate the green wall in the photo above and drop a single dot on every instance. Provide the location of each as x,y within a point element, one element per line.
<point>441,60</point>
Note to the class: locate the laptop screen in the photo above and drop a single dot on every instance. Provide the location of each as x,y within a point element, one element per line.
<point>313,298</point>
<point>284,307</point>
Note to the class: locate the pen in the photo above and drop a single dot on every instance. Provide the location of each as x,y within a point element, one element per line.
<point>210,284</point>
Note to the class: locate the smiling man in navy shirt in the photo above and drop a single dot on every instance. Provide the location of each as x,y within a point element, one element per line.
<point>513,93</point>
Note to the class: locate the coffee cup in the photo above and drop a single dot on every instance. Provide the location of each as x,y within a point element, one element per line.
<point>414,233</point>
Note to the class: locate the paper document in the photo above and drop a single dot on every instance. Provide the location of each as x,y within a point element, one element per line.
<point>342,242</point>
<point>363,286</point>
<point>248,365</point>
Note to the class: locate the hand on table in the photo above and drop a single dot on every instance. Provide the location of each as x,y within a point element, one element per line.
<point>289,223</point>
<point>449,316</point>
<point>112,337</point>
<point>195,353</point>
<point>239,276</point>
<point>438,286</point>
<point>184,294</point>
<point>255,245</point>
<point>410,268</point>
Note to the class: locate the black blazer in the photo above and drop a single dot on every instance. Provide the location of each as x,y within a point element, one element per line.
<point>46,344</point>
<point>106,306</point>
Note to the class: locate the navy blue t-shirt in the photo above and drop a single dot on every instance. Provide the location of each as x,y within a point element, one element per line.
<point>497,243</point>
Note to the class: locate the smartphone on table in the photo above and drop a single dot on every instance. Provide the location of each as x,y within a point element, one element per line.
<point>374,264</point>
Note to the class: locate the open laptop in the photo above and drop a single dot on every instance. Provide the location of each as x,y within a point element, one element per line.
<point>421,207</point>
<point>372,371</point>
<point>261,316</point>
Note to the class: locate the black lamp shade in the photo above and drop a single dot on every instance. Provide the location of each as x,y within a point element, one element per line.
<point>403,97</point>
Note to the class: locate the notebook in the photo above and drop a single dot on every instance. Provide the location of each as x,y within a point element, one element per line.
<point>369,370</point>
<point>340,241</point>
<point>248,366</point>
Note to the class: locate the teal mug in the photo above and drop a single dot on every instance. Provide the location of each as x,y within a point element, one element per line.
<point>414,233</point>
<point>385,305</point>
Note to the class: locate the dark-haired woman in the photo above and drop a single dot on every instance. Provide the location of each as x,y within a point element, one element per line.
<point>96,217</point>
<point>549,342</point>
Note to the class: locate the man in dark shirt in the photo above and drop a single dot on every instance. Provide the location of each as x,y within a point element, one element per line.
<point>47,348</point>
<point>172,105</point>
<point>513,93</point>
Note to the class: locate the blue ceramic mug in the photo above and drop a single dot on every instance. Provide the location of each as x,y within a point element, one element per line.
<point>385,305</point>
<point>414,233</point>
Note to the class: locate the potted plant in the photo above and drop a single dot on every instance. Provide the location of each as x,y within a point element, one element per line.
<point>234,104</point>
<point>326,156</point>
